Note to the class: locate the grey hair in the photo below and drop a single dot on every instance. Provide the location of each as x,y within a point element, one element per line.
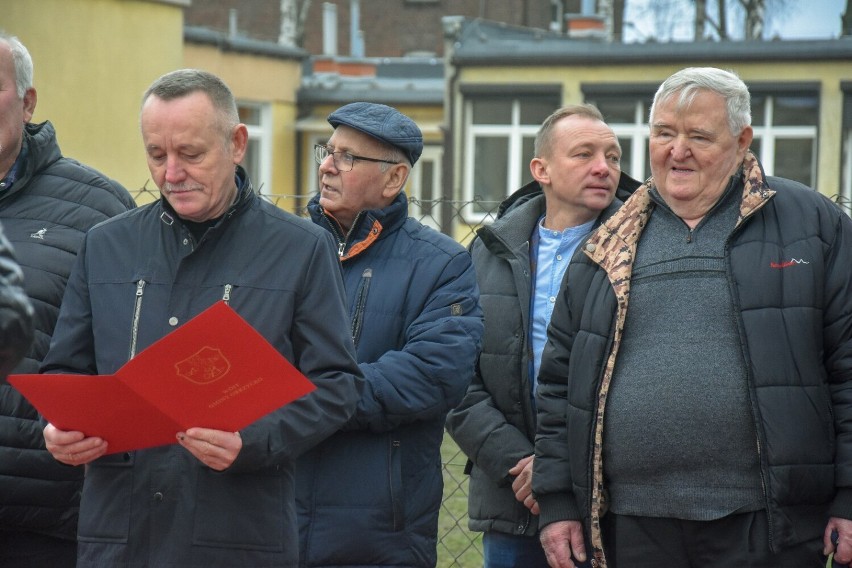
<point>23,64</point>
<point>688,82</point>
<point>392,154</point>
<point>183,82</point>
<point>544,137</point>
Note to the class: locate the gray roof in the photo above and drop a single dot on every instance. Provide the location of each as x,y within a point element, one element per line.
<point>397,81</point>
<point>484,43</point>
<point>242,44</point>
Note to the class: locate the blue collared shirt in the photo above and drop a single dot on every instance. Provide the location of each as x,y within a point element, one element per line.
<point>552,251</point>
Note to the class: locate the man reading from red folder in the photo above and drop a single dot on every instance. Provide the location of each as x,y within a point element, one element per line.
<point>219,498</point>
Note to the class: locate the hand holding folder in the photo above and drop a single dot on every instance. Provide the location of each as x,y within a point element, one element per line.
<point>215,371</point>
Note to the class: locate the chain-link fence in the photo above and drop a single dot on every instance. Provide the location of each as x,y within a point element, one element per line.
<point>845,203</point>
<point>457,546</point>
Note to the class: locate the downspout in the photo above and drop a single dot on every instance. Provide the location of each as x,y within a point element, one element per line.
<point>452,28</point>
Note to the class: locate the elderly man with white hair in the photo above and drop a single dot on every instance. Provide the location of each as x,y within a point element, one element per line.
<point>695,393</point>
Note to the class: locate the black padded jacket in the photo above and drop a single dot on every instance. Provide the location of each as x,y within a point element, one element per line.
<point>45,214</point>
<point>789,265</point>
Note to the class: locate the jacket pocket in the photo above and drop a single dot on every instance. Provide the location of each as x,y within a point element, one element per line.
<point>106,502</point>
<point>241,511</point>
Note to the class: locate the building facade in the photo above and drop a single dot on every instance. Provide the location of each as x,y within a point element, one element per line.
<point>93,59</point>
<point>479,105</point>
<point>503,81</point>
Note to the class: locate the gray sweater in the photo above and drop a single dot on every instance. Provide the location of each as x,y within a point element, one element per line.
<point>678,439</point>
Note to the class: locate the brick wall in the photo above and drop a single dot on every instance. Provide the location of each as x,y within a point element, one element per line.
<point>258,19</point>
<point>392,28</point>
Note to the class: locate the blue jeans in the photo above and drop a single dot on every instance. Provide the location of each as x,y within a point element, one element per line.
<point>503,550</point>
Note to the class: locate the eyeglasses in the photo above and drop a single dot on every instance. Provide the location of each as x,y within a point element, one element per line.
<point>343,161</point>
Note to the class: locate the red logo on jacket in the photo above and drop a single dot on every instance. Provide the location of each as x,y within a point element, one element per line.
<point>786,263</point>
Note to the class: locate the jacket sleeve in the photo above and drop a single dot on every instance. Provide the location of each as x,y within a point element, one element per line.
<point>837,337</point>
<point>16,313</point>
<point>551,469</point>
<point>324,353</point>
<point>429,375</point>
<point>482,432</point>
<point>478,424</point>
<point>72,346</point>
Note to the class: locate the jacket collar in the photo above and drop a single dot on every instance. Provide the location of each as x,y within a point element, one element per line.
<point>512,230</point>
<point>369,226</point>
<point>245,197</point>
<point>38,150</point>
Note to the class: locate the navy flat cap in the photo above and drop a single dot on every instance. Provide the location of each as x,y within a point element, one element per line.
<point>383,123</point>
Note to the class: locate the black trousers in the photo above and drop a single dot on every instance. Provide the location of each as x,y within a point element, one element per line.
<point>736,541</point>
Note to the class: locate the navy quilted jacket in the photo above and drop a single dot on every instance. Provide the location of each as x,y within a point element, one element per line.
<point>369,495</point>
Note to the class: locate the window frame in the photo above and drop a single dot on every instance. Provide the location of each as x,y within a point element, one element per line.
<point>518,172</point>
<point>262,134</point>
<point>770,133</point>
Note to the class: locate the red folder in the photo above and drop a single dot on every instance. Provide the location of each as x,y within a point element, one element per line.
<point>215,371</point>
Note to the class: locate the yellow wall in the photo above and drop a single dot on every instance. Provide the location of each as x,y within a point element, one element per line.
<point>257,78</point>
<point>93,59</point>
<point>829,74</point>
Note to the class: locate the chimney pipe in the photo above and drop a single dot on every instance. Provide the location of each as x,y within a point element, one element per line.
<point>356,36</point>
<point>329,29</point>
<point>232,23</point>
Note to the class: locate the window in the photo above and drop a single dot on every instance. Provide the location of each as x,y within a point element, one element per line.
<point>845,193</point>
<point>258,158</point>
<point>785,135</point>
<point>628,118</point>
<point>424,188</point>
<point>499,137</point>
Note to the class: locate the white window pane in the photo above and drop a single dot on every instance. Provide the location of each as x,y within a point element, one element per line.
<point>794,159</point>
<point>490,170</point>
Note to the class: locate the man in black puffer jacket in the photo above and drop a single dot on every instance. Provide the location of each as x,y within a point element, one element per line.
<point>47,203</point>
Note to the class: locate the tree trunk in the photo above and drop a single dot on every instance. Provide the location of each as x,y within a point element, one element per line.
<point>723,20</point>
<point>700,19</point>
<point>754,19</point>
<point>618,21</point>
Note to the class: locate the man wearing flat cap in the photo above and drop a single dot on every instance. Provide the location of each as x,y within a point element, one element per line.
<point>370,494</point>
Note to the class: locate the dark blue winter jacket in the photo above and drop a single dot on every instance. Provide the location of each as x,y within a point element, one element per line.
<point>141,275</point>
<point>369,495</point>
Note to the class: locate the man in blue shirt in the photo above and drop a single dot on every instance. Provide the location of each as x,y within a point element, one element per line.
<point>520,261</point>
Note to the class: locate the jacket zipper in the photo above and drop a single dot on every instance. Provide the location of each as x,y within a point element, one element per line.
<point>396,484</point>
<point>137,310</point>
<point>360,304</point>
<point>341,239</point>
<point>226,295</point>
<point>749,377</point>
